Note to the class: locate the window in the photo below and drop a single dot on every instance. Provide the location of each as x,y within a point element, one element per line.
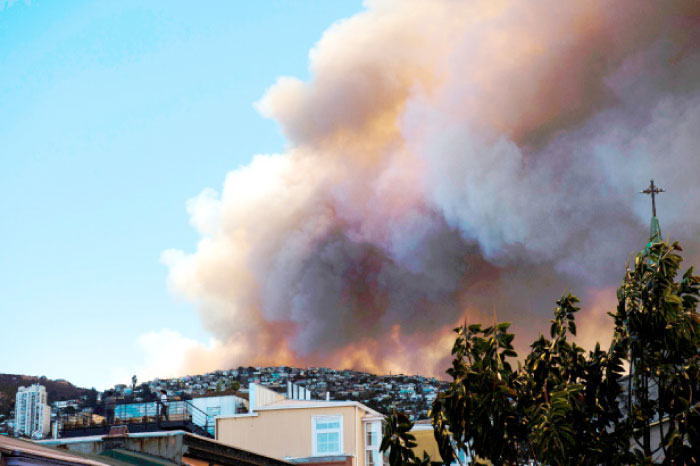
<point>373,438</point>
<point>372,434</point>
<point>327,435</point>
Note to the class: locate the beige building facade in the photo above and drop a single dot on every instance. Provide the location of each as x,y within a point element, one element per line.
<point>305,431</point>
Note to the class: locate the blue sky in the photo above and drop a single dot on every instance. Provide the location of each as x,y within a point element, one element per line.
<point>112,115</point>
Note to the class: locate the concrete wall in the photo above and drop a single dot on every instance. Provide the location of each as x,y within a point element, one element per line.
<point>283,433</point>
<point>164,446</point>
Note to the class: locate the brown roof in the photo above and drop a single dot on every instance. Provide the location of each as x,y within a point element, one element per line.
<point>14,447</point>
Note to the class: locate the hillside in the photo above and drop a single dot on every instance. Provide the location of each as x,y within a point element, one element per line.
<point>57,389</point>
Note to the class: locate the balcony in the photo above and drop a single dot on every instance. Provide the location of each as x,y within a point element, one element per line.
<point>142,417</point>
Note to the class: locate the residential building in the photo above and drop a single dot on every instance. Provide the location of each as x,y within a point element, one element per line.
<point>66,403</point>
<point>32,412</point>
<point>304,431</point>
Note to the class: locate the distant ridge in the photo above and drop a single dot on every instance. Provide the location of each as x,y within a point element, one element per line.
<point>57,389</point>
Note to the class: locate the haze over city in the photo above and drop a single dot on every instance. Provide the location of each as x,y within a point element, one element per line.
<point>338,184</point>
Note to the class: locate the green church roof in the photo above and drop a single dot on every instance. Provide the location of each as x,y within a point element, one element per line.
<point>655,234</point>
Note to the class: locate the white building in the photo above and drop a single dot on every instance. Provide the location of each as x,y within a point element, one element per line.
<point>213,406</point>
<point>32,412</point>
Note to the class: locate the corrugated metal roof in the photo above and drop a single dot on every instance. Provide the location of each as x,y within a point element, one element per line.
<point>16,447</point>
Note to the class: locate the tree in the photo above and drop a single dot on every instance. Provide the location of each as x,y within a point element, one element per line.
<point>657,330</point>
<point>400,442</point>
<point>562,406</point>
<point>480,405</point>
<point>569,400</point>
<point>91,398</point>
<point>134,381</point>
<point>146,393</point>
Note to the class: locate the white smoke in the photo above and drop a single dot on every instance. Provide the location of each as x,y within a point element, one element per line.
<point>448,158</point>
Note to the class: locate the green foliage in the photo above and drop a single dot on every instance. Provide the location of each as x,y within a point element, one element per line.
<point>91,398</point>
<point>398,440</point>
<point>657,329</point>
<point>569,400</point>
<point>481,403</point>
<point>562,406</point>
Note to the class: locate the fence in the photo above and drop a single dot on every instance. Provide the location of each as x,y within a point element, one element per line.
<point>146,416</point>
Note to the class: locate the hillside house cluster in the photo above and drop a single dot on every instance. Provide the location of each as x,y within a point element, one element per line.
<point>412,394</point>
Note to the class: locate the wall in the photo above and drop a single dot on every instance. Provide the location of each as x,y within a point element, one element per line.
<point>163,445</point>
<point>282,433</point>
<point>226,403</point>
<point>261,396</point>
<point>425,440</point>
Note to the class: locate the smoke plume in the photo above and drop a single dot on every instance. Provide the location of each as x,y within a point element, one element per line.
<point>450,160</point>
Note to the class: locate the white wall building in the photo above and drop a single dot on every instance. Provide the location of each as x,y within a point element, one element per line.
<point>32,412</point>
<point>213,406</point>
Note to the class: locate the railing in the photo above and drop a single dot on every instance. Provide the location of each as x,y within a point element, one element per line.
<point>147,416</point>
<point>200,418</point>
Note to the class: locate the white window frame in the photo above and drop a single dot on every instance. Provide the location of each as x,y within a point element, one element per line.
<point>368,448</point>
<point>314,433</point>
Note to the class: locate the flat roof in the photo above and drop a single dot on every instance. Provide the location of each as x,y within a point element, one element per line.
<point>308,404</point>
<point>98,438</point>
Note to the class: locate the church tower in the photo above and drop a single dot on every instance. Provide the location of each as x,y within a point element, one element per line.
<point>655,231</point>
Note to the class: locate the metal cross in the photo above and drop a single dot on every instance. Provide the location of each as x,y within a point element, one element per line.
<point>653,190</point>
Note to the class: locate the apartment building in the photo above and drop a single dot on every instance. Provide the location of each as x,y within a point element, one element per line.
<point>32,412</point>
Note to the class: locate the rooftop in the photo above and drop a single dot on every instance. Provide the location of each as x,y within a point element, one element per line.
<point>14,447</point>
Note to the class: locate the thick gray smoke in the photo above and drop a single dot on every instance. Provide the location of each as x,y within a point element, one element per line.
<point>449,160</point>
